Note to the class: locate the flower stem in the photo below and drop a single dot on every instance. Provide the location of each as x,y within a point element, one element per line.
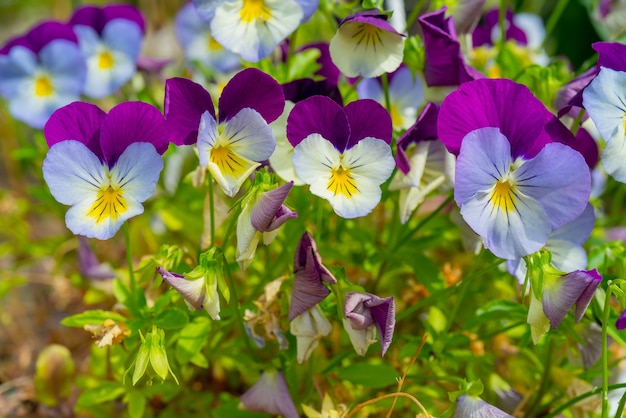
<point>129,258</point>
<point>385,82</point>
<point>605,352</point>
<point>212,212</point>
<point>414,13</point>
<point>553,20</point>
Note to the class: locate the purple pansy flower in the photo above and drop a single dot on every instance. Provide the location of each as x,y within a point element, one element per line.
<point>562,292</point>
<point>514,182</point>
<point>110,39</point>
<point>103,165</point>
<point>444,64</point>
<point>271,395</point>
<point>342,153</point>
<point>41,71</point>
<point>367,45</point>
<point>473,406</point>
<point>233,144</point>
<point>487,31</point>
<point>366,311</point>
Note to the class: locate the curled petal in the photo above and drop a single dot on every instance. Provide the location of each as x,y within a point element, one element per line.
<point>194,291</point>
<point>471,406</point>
<point>575,288</point>
<point>268,213</point>
<point>271,395</point>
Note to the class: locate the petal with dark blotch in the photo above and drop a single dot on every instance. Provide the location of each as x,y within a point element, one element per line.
<point>185,102</point>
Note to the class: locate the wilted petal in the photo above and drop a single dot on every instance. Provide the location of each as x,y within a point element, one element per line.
<point>365,309</point>
<point>361,339</point>
<point>193,291</point>
<point>575,288</point>
<point>470,406</point>
<point>271,395</point>
<point>309,327</point>
<point>269,212</point>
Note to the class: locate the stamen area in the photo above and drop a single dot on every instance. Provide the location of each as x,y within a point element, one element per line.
<point>105,60</point>
<point>503,196</point>
<point>342,182</point>
<point>227,161</point>
<point>255,10</point>
<point>110,203</point>
<point>366,35</point>
<point>43,86</point>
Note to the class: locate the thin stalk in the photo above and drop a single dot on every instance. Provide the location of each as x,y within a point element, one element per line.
<point>212,212</point>
<point>605,353</point>
<point>553,19</point>
<point>545,379</point>
<point>129,259</point>
<point>578,121</point>
<point>385,82</point>
<point>579,398</point>
<point>414,13</point>
<point>423,222</point>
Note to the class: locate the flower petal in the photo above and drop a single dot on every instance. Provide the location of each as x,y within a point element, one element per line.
<point>77,121</point>
<point>424,128</point>
<point>270,394</point>
<point>367,118</point>
<point>606,103</point>
<point>318,115</point>
<point>185,102</point>
<point>575,288</point>
<point>267,207</point>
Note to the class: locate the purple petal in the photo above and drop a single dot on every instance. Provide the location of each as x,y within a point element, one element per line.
<point>424,129</point>
<point>367,118</point>
<point>499,103</point>
<point>297,90</point>
<point>576,288</point>
<point>470,406</point>
<point>354,309</point>
<point>131,122</point>
<point>571,95</point>
<point>188,289</point>
<point>267,207</point>
<point>587,146</point>
<point>444,62</point>
<point>328,69</point>
<point>252,88</point>
<point>384,314</point>
<point>270,394</point>
<point>89,266</point>
<point>77,121</point>
<point>282,216</point>
<point>40,36</point>
<point>620,324</point>
<point>308,245</point>
<point>97,17</point>
<point>185,102</point>
<point>611,55</point>
<point>318,115</point>
<point>585,298</point>
<point>371,17</point>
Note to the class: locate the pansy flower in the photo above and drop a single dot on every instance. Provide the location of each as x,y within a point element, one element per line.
<point>473,406</point>
<point>270,395</point>
<point>41,71</point>
<point>424,164</point>
<point>406,95</point>
<point>444,64</point>
<point>235,142</point>
<point>198,293</point>
<point>110,39</point>
<point>254,28</point>
<point>367,45</point>
<point>514,182</point>
<point>342,153</point>
<point>199,46</point>
<point>365,313</point>
<point>103,165</point>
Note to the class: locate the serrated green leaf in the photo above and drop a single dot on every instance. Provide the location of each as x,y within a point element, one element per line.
<point>171,318</point>
<point>96,316</point>
<point>371,375</point>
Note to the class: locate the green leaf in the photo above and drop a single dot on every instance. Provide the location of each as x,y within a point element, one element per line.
<point>104,392</point>
<point>200,360</point>
<point>171,318</point>
<point>191,339</point>
<point>371,375</point>
<point>136,404</point>
<point>96,316</point>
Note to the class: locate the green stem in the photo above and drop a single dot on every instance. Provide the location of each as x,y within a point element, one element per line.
<point>414,13</point>
<point>578,121</point>
<point>385,82</point>
<point>423,222</point>
<point>605,353</point>
<point>553,20</point>
<point>212,213</point>
<point>579,398</point>
<point>545,379</point>
<point>129,258</point>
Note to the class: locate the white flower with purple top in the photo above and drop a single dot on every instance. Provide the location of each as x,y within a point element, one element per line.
<point>516,180</point>
<point>366,313</point>
<point>110,39</point>
<point>254,28</point>
<point>235,142</point>
<point>41,71</point>
<point>103,165</point>
<point>342,153</point>
<point>367,45</point>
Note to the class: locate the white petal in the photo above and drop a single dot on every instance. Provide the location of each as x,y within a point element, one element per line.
<point>605,101</point>
<point>137,171</point>
<point>613,158</point>
<point>250,135</point>
<point>314,157</point>
<point>247,238</point>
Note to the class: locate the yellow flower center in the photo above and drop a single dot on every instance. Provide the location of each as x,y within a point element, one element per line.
<point>396,117</point>
<point>105,60</point>
<point>254,10</point>
<point>212,44</point>
<point>110,203</point>
<point>342,182</point>
<point>227,161</point>
<point>43,86</point>
<point>503,196</point>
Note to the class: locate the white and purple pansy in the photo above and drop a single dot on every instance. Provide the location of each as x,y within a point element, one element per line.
<point>366,312</point>
<point>235,142</point>
<point>103,165</point>
<point>110,39</point>
<point>342,153</point>
<point>41,71</point>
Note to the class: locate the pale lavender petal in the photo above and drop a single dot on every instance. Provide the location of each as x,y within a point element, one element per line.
<point>320,115</point>
<point>308,8</point>
<point>569,99</point>
<point>271,395</point>
<point>424,129</point>
<point>131,122</point>
<point>585,298</point>
<point>185,102</point>
<point>354,309</point>
<point>268,206</point>
<point>578,230</point>
<point>192,290</point>
<point>77,121</point>
<point>470,406</point>
<point>367,118</point>
<point>576,288</point>
<point>254,89</point>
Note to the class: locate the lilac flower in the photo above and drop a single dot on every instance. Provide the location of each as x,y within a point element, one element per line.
<point>198,44</point>
<point>110,39</point>
<point>271,395</point>
<point>513,182</point>
<point>561,292</point>
<point>487,31</point>
<point>620,324</point>
<point>103,165</point>
<point>343,153</point>
<point>367,45</point>
<point>233,144</point>
<point>198,292</point>
<point>263,212</point>
<point>406,95</point>
<point>41,71</point>
<point>473,406</point>
<point>253,28</point>
<point>309,275</point>
<point>444,64</point>
<point>424,163</point>
<point>364,312</point>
